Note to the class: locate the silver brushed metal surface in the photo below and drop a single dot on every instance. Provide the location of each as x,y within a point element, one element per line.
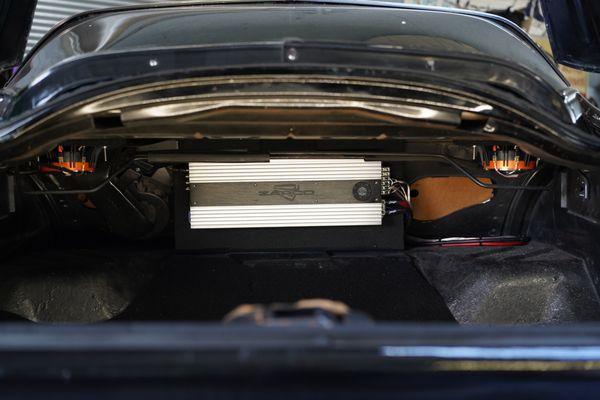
<point>283,193</point>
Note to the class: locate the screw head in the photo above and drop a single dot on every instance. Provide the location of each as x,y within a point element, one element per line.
<point>489,128</point>
<point>292,54</point>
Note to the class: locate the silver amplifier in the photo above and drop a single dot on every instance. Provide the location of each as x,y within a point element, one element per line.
<point>285,193</point>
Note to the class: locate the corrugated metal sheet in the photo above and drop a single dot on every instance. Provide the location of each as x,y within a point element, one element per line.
<point>51,12</point>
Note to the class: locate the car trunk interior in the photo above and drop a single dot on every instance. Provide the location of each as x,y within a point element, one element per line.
<point>454,252</point>
<point>536,283</point>
<point>191,208</point>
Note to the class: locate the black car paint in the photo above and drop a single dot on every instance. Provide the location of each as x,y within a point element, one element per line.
<point>16,17</point>
<point>79,59</point>
<point>388,361</point>
<point>69,114</point>
<point>574,32</point>
<point>209,24</point>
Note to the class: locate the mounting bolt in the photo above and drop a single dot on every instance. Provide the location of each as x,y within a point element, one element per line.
<point>582,185</point>
<point>292,54</point>
<point>490,127</point>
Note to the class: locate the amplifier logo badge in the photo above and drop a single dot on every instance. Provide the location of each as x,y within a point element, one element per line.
<point>287,191</point>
